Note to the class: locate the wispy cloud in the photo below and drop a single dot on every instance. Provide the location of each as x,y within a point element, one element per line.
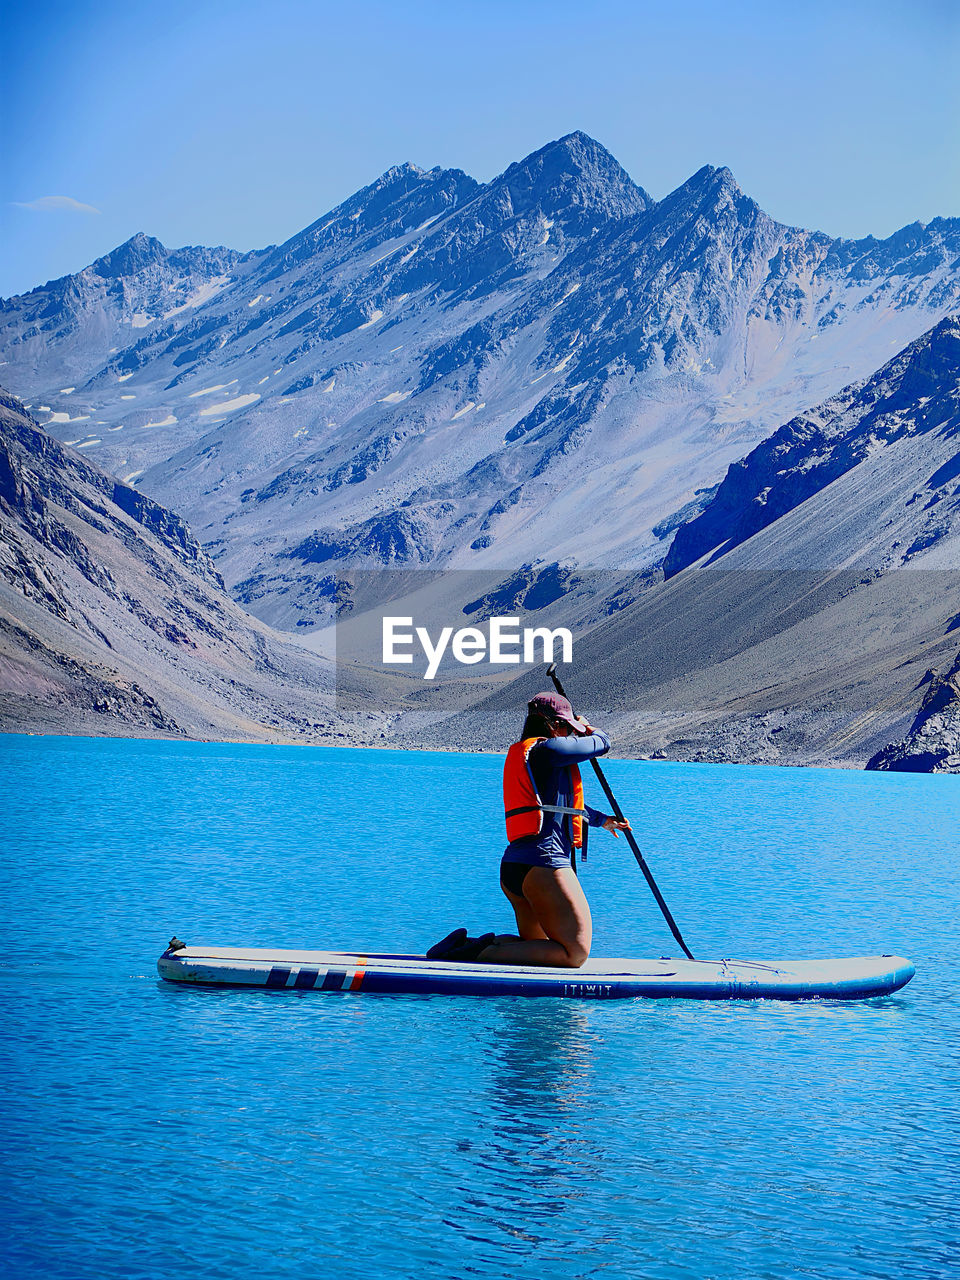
<point>55,204</point>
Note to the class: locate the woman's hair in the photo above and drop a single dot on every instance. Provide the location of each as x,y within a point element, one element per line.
<point>535,726</point>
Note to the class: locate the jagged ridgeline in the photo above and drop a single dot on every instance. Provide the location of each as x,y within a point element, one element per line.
<point>543,375</point>
<point>552,366</point>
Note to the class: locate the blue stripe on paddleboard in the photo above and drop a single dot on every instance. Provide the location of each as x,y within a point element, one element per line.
<point>278,977</point>
<point>306,979</point>
<point>465,984</point>
<point>334,980</point>
<point>489,985</point>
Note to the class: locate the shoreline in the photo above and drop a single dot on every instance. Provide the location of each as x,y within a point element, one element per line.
<point>843,765</point>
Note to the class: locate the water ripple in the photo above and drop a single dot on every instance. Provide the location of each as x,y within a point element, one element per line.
<point>151,1129</point>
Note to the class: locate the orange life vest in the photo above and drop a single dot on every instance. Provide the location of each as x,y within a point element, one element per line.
<point>522,805</point>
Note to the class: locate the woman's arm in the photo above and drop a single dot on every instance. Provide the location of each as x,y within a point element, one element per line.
<point>594,817</point>
<point>606,820</point>
<point>573,749</point>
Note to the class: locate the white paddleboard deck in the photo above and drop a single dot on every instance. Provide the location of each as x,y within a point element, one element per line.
<point>859,978</point>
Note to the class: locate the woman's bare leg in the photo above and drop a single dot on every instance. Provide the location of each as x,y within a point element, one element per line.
<point>558,906</point>
<point>528,926</point>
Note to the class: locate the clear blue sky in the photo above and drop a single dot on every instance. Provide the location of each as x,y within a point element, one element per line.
<point>238,122</point>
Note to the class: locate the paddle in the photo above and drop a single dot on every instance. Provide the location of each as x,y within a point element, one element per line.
<point>618,813</point>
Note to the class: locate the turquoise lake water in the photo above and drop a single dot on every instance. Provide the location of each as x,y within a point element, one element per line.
<point>156,1131</point>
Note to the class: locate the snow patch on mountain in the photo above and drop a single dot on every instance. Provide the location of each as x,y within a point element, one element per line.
<point>621,367</point>
<point>229,406</point>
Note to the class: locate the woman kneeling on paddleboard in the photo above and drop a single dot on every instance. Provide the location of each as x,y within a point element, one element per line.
<point>546,818</point>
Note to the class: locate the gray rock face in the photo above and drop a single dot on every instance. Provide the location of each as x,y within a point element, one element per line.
<point>933,743</point>
<point>71,326</point>
<point>767,667</point>
<point>38,474</point>
<point>914,400</point>
<point>549,366</point>
<point>114,620</point>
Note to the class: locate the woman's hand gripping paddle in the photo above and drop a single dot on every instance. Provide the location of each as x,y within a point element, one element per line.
<point>618,813</point>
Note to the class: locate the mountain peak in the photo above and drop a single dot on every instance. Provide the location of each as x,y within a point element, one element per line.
<point>578,145</point>
<point>711,178</point>
<point>401,198</point>
<point>574,170</point>
<point>130,257</point>
<point>398,172</point>
<point>712,192</point>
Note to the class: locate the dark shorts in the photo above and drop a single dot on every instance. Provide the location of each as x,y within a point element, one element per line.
<point>513,874</point>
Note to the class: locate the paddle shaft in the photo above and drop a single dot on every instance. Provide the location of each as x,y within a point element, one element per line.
<point>634,847</point>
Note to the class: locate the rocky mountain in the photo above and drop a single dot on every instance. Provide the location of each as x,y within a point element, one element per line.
<point>878,466</point>
<point>779,666</point>
<point>74,324</point>
<point>806,607</point>
<point>549,367</point>
<point>932,744</point>
<point>113,619</point>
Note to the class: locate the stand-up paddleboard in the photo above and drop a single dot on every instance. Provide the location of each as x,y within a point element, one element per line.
<point>853,979</point>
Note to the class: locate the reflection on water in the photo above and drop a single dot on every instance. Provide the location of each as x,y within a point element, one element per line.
<point>539,1088</point>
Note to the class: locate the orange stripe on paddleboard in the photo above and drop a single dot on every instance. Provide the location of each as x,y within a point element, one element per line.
<point>357,980</point>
